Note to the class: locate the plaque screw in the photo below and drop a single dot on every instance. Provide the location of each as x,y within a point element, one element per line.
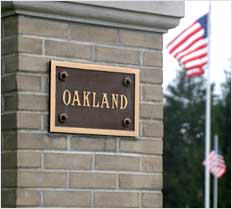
<point>63,75</point>
<point>126,122</point>
<point>127,81</point>
<point>62,117</point>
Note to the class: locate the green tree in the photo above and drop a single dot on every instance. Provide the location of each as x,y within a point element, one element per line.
<point>221,123</point>
<point>184,140</point>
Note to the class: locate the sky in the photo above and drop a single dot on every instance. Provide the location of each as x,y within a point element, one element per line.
<point>220,39</point>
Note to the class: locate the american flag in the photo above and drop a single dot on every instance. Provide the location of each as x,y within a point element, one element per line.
<point>190,47</point>
<point>217,164</point>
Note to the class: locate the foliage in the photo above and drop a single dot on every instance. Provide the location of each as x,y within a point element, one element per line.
<point>222,126</point>
<point>184,141</point>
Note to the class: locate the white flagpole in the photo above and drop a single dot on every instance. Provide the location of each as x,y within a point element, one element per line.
<point>215,183</point>
<point>208,119</point>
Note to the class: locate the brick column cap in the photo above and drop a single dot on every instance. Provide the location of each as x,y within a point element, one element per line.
<point>156,16</point>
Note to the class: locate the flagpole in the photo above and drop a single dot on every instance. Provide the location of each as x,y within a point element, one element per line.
<point>208,119</point>
<point>215,183</point>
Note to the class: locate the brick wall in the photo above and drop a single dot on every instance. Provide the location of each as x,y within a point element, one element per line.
<point>45,169</point>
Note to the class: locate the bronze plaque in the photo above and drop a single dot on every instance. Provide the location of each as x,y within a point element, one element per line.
<point>94,99</point>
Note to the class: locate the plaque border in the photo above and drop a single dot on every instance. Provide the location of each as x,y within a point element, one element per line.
<point>106,68</point>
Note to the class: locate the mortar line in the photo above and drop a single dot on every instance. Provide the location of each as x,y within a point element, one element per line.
<point>64,171</point>
<point>68,142</point>
<point>153,191</point>
<point>141,166</point>
<point>93,162</point>
<point>42,161</point>
<point>92,198</point>
<point>117,181</point>
<point>67,183</point>
<point>141,57</point>
<point>41,198</point>
<point>43,47</point>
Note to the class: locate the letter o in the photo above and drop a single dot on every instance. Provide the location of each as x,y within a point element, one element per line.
<point>66,97</point>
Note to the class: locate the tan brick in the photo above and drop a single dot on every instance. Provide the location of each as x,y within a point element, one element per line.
<point>92,180</point>
<point>140,181</point>
<point>8,178</point>
<point>11,63</point>
<point>9,46</point>
<point>68,161</point>
<point>153,129</point>
<point>28,198</point>
<point>41,141</point>
<point>93,144</point>
<point>90,33</point>
<point>153,59</point>
<point>28,120</point>
<point>45,84</point>
<point>29,159</point>
<point>153,76</point>
<point>116,199</point>
<point>152,164</point>
<point>8,198</point>
<point>10,25</point>
<point>116,55</point>
<point>28,82</point>
<point>141,146</point>
<point>42,27</point>
<point>40,179</point>
<point>9,140</point>
<point>2,66</point>
<point>2,104</point>
<point>9,160</point>
<point>9,83</point>
<point>8,121</point>
<point>11,102</point>
<point>116,162</point>
<point>45,121</point>
<point>67,198</point>
<point>32,102</point>
<point>33,64</point>
<point>63,49</point>
<point>151,111</point>
<point>140,39</point>
<point>29,45</point>
<point>152,200</point>
<point>152,93</point>
<point>2,29</point>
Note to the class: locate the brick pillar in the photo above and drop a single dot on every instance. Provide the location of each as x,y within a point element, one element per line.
<point>43,169</point>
